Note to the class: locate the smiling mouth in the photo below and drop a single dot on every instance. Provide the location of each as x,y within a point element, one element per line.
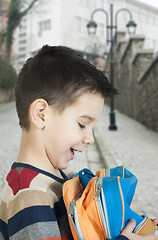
<point>72,153</point>
<point>72,150</point>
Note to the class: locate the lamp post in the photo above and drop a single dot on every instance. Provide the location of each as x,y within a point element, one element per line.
<point>110,30</point>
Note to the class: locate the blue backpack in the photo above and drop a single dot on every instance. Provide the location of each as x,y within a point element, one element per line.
<point>98,206</point>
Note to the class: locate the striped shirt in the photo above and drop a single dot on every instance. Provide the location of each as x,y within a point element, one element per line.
<point>32,206</point>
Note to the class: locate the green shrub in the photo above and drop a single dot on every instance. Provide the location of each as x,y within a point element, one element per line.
<point>7,75</point>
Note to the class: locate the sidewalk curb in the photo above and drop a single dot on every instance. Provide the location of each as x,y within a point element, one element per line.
<point>108,160</point>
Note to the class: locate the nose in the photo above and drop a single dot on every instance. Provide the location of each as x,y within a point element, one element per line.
<point>88,138</point>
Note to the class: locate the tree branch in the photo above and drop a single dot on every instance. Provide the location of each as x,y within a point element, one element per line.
<point>24,12</point>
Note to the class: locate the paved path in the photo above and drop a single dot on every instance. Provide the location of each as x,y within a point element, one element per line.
<point>136,147</point>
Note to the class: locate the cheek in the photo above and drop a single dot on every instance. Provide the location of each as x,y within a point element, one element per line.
<point>72,135</point>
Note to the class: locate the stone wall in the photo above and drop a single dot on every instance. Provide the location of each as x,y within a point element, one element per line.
<point>136,78</point>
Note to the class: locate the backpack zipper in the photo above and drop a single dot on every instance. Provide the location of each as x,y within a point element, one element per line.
<point>140,224</point>
<point>102,206</point>
<point>72,213</point>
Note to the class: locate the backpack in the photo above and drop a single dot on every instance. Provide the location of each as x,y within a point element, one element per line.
<point>98,206</point>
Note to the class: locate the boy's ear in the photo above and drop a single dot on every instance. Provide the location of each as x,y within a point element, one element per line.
<point>37,112</point>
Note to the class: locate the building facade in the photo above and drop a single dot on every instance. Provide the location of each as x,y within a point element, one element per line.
<point>64,22</point>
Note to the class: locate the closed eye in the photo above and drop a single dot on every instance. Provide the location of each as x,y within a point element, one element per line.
<point>81,126</point>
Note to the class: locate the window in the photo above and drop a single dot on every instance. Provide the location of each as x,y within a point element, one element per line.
<point>22,41</point>
<point>85,22</point>
<point>94,4</point>
<point>21,35</point>
<point>146,18</point>
<point>82,2</point>
<point>45,25</point>
<point>100,4</point>
<point>152,21</point>
<point>48,25</point>
<point>135,15</point>
<point>85,3</point>
<point>22,28</point>
<point>143,17</point>
<point>21,63</point>
<point>78,24</point>
<point>22,49</point>
<point>125,17</point>
<point>23,20</point>
<point>21,56</point>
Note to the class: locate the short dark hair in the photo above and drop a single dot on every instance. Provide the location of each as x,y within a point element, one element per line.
<point>59,75</point>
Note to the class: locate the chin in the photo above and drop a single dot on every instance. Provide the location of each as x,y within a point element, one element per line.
<point>64,166</point>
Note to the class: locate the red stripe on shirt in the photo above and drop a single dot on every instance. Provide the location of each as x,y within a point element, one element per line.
<point>20,181</point>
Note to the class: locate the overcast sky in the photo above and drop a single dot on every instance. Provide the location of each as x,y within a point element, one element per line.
<point>153,3</point>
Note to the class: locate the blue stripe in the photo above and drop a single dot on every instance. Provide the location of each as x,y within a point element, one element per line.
<point>30,216</point>
<point>24,165</point>
<point>59,208</point>
<point>4,229</point>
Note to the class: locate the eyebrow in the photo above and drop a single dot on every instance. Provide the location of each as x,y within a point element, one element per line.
<point>88,117</point>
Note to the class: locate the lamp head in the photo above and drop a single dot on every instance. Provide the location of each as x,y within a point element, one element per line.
<point>131,26</point>
<point>105,55</point>
<point>92,26</point>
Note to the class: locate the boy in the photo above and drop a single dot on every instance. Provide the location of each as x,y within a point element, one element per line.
<point>59,97</point>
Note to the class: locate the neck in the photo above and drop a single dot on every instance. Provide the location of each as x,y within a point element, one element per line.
<point>32,152</point>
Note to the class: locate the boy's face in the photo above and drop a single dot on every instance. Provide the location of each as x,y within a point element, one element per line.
<point>70,131</point>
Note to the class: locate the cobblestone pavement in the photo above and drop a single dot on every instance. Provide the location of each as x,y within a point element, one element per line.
<point>136,147</point>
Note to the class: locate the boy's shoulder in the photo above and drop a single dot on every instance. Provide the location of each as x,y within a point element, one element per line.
<point>26,177</point>
<point>23,176</point>
<point>34,196</point>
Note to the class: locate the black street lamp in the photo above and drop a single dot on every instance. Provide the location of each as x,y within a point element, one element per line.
<point>92,26</point>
